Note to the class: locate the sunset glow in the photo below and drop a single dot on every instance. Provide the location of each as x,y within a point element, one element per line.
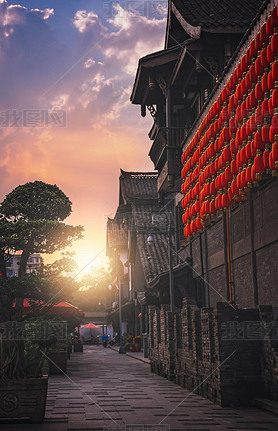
<point>81,62</point>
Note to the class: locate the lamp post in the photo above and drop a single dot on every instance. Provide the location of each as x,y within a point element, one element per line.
<point>119,288</point>
<point>171,278</point>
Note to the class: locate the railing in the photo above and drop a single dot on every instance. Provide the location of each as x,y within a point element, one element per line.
<point>167,145</point>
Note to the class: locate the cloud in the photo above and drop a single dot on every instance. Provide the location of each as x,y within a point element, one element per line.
<point>30,55</point>
<point>91,79</point>
<point>43,13</point>
<point>86,21</point>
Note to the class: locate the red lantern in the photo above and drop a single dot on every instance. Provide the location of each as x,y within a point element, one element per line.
<point>258,42</point>
<point>266,159</point>
<point>264,108</point>
<point>238,161</point>
<point>243,179</point>
<point>252,49</point>
<point>225,201</point>
<point>248,176</point>
<point>274,17</point>
<point>274,71</point>
<point>218,202</point>
<point>228,174</point>
<point>252,74</point>
<point>234,169</point>
<point>270,108</point>
<point>258,116</point>
<point>233,146</point>
<point>265,134</point>
<point>258,142</point>
<point>273,131</point>
<point>248,154</point>
<point>275,151</point>
<point>270,81</point>
<point>212,190</point>
<point>243,134</point>
<point>230,194</point>
<point>239,182</point>
<point>264,83</point>
<point>212,208</point>
<point>263,35</point>
<point>231,106</point>
<point>259,68</point>
<point>269,27</point>
<point>253,149</point>
<point>270,54</point>
<point>271,162</point>
<point>274,44</point>
<point>264,61</point>
<point>243,158</point>
<point>234,188</point>
<point>274,97</point>
<point>198,223</point>
<point>259,93</point>
<point>258,167</point>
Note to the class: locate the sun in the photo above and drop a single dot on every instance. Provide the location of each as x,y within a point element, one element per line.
<point>89,258</point>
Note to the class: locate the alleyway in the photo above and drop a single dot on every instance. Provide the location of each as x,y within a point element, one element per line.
<point>105,390</point>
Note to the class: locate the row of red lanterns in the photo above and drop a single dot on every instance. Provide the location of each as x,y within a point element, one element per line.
<point>210,146</point>
<point>254,71</point>
<point>225,156</point>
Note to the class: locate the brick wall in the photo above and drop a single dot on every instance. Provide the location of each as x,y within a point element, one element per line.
<point>265,212</point>
<point>200,350</point>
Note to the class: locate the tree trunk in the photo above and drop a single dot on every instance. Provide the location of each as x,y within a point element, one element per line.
<point>23,263</point>
<point>2,265</point>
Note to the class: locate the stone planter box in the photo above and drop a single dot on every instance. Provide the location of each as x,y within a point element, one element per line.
<point>23,398</point>
<point>78,347</point>
<point>58,358</point>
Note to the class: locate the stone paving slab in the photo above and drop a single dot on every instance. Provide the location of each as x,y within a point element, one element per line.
<point>104,390</point>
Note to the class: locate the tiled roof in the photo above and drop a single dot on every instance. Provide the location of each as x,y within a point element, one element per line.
<point>116,235</point>
<point>139,191</point>
<point>154,257</point>
<point>219,14</point>
<point>138,186</point>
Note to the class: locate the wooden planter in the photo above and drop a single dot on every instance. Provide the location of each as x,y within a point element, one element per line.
<point>78,347</point>
<point>57,362</point>
<point>23,398</point>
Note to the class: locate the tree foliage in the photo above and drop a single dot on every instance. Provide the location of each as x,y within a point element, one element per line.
<point>32,221</point>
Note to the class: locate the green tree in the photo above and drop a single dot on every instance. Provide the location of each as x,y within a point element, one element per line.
<point>32,221</point>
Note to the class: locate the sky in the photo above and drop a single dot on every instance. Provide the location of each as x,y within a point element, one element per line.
<point>67,69</point>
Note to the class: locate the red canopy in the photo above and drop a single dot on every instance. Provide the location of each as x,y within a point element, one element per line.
<point>90,326</point>
<point>60,308</point>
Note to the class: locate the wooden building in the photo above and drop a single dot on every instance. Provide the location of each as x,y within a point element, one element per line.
<point>213,95</point>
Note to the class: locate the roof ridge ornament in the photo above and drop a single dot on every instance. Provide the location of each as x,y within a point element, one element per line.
<point>191,30</point>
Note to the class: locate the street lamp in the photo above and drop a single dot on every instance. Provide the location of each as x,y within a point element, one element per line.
<point>118,286</point>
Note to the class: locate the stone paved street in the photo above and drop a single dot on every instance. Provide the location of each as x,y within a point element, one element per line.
<point>105,389</point>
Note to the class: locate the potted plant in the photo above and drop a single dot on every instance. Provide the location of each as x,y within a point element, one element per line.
<point>137,343</point>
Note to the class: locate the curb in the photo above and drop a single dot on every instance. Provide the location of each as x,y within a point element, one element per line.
<point>145,361</point>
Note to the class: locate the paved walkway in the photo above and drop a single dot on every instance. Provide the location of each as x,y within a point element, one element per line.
<point>106,390</point>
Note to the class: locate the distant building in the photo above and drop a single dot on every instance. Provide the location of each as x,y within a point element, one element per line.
<point>136,264</point>
<point>35,261</point>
